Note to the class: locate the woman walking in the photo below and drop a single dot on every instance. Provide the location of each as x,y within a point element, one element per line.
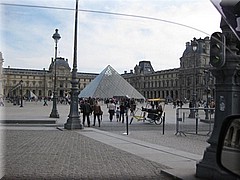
<point>111,110</point>
<point>97,112</point>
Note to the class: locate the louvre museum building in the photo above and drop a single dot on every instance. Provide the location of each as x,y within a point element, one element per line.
<point>192,78</point>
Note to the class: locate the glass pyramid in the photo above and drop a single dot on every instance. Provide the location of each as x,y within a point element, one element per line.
<point>110,84</point>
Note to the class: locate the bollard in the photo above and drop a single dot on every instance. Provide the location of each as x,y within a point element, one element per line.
<point>163,122</point>
<point>177,123</point>
<point>127,123</point>
<point>196,121</point>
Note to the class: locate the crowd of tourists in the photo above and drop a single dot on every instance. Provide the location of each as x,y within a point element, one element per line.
<point>117,108</point>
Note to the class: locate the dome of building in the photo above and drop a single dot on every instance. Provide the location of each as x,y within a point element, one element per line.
<point>60,62</point>
<point>188,49</point>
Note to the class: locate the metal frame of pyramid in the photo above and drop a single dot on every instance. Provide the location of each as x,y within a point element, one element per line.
<point>109,84</point>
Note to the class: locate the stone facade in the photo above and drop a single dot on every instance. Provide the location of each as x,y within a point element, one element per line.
<point>192,76</point>
<point>194,68</point>
<point>154,84</point>
<point>177,83</point>
<point>40,82</point>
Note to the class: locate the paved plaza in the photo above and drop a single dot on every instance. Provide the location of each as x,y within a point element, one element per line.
<point>47,151</point>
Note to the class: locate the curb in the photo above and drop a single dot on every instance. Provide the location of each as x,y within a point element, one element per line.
<point>28,122</point>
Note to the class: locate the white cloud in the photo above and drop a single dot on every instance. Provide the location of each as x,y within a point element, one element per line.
<point>106,39</point>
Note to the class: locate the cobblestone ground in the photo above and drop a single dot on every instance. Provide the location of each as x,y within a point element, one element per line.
<point>54,154</point>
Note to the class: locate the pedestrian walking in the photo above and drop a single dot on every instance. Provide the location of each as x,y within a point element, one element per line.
<point>86,110</point>
<point>122,111</point>
<point>192,112</point>
<point>118,114</point>
<point>212,105</point>
<point>45,101</point>
<point>174,104</point>
<point>132,106</point>
<point>111,110</point>
<point>97,112</point>
<point>180,103</point>
<point>160,109</point>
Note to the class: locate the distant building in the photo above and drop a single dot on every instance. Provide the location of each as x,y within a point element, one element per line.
<point>154,84</point>
<point>40,82</point>
<point>194,67</point>
<point>177,83</point>
<point>192,78</point>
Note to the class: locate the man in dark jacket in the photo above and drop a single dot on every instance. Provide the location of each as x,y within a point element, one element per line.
<point>86,110</point>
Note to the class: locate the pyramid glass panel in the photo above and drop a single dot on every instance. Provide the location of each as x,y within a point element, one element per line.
<point>109,84</point>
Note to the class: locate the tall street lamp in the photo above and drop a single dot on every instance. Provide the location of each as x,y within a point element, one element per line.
<point>54,114</point>
<point>194,45</point>
<point>21,92</point>
<point>73,121</point>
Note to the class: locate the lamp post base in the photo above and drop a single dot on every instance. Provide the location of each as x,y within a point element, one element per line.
<point>54,114</point>
<point>73,123</point>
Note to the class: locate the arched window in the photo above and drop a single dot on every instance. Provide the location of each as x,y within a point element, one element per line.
<point>40,93</point>
<point>49,93</point>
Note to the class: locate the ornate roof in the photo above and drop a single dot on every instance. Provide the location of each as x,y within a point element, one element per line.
<point>60,62</point>
<point>202,47</point>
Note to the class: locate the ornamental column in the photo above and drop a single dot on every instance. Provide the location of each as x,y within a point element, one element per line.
<point>227,101</point>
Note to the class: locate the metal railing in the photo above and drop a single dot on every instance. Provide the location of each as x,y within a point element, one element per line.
<point>197,121</point>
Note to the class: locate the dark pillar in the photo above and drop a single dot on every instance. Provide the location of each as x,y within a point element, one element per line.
<point>227,103</point>
<point>21,92</point>
<point>74,121</point>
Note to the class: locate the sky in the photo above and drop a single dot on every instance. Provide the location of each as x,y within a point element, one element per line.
<point>103,39</point>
